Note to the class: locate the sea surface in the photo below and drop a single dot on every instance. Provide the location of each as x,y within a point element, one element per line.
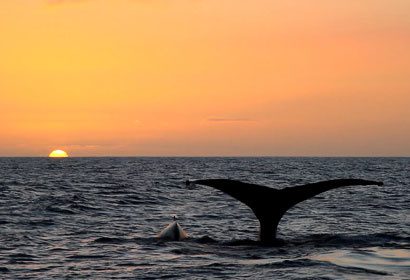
<point>97,218</point>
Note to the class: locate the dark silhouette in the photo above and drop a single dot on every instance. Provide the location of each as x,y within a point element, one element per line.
<point>269,205</point>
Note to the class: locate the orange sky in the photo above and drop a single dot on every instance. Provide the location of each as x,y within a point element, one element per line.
<point>205,77</point>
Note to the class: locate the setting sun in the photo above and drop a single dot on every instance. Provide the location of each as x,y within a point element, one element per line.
<point>166,78</point>
<point>58,154</point>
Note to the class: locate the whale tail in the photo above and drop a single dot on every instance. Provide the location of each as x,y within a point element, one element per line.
<point>269,205</point>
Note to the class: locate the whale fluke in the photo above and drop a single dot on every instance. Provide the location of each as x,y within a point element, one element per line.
<point>269,205</point>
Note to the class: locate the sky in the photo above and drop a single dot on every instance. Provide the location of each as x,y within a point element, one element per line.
<point>205,77</point>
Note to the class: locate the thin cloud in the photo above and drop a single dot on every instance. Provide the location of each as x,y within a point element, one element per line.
<point>230,120</point>
<point>59,2</point>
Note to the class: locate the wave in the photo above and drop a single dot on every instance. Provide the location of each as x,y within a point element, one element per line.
<point>304,262</point>
<point>4,269</point>
<point>82,257</point>
<point>41,222</point>
<point>59,210</point>
<point>21,258</point>
<point>390,240</point>
<point>386,239</point>
<point>111,240</point>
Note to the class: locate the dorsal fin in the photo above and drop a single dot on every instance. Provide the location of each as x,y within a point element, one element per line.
<point>269,205</point>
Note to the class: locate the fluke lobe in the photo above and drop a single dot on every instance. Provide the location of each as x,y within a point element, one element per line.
<point>269,205</point>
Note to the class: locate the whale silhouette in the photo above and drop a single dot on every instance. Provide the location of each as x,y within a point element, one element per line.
<point>173,232</point>
<point>269,205</point>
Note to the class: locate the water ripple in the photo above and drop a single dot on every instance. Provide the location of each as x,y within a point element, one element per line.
<point>97,218</point>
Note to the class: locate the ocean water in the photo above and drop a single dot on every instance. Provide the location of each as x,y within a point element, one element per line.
<point>97,218</point>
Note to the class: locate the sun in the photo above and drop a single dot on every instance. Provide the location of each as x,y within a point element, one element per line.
<point>58,154</point>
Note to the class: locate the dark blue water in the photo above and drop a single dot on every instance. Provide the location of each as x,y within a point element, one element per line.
<point>97,218</point>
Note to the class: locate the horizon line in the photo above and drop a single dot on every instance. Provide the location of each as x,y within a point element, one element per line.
<point>223,156</point>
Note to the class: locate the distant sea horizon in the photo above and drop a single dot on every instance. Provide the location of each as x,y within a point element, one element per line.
<point>219,156</point>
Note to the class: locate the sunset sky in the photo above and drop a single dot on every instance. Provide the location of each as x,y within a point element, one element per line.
<point>205,77</point>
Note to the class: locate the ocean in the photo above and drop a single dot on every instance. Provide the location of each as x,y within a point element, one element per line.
<point>97,218</point>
